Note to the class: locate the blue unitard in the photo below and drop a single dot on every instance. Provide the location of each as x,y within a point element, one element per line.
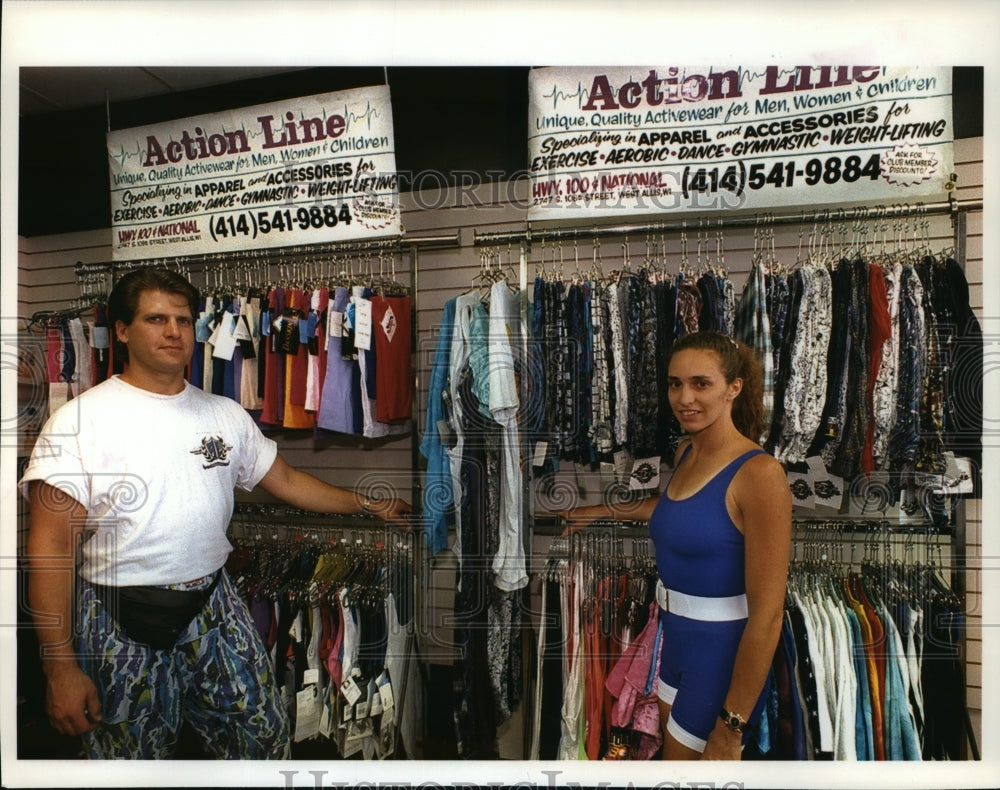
<point>700,557</point>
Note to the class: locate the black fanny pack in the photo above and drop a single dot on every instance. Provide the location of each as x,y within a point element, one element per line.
<point>154,616</point>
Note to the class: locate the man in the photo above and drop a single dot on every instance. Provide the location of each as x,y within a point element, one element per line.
<point>142,467</point>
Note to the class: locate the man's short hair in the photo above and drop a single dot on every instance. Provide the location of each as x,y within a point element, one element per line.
<point>124,299</point>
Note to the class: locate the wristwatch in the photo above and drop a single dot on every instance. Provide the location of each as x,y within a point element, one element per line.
<point>733,721</point>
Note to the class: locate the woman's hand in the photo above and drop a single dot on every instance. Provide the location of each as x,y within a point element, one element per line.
<point>723,744</point>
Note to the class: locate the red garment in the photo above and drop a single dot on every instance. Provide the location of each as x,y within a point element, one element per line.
<point>393,370</point>
<point>880,330</point>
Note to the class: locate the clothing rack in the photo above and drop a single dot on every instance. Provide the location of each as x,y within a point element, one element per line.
<point>952,206</point>
<point>279,255</point>
<point>292,566</point>
<point>260,510</point>
<point>285,255</point>
<point>275,523</point>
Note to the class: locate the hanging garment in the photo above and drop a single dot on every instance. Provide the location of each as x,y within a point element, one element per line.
<point>341,385</point>
<point>667,428</point>
<point>619,358</point>
<point>805,389</point>
<point>963,408</point>
<point>931,453</point>
<point>83,374</point>
<point>391,323</point>
<point>904,438</point>
<point>504,335</point>
<point>643,404</point>
<point>631,683</point>
<point>887,378</point>
<point>438,496</point>
<point>844,458</point>
<point>316,335</point>
<point>600,436</point>
<point>458,362</point>
<point>880,323</point>
<point>573,724</point>
<point>752,327</point>
<point>250,372</point>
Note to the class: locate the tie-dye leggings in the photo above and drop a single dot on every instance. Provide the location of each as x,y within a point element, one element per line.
<point>218,678</point>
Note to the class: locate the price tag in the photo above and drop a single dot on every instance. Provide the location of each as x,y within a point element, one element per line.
<point>349,688</point>
<point>335,324</point>
<point>223,339</point>
<point>363,324</point>
<point>310,676</point>
<point>541,450</point>
<point>307,713</point>
<point>242,331</point>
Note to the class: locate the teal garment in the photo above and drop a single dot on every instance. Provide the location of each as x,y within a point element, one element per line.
<point>439,495</point>
<point>900,729</point>
<point>864,738</point>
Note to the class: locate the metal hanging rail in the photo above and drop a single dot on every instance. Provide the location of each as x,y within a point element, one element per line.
<point>952,206</point>
<point>282,254</point>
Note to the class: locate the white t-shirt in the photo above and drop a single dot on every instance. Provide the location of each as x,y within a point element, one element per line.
<point>156,475</point>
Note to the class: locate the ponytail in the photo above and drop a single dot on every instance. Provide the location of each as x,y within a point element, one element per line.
<point>738,361</point>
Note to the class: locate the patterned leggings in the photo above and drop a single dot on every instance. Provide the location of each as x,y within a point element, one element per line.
<point>218,678</point>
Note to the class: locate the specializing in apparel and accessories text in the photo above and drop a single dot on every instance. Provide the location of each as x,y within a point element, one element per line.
<point>644,140</point>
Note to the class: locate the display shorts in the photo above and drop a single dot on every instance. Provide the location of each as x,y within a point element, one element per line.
<point>696,663</point>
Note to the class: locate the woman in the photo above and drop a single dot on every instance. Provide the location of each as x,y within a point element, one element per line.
<point>722,535</point>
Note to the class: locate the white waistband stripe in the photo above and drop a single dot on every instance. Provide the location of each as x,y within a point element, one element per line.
<point>696,607</point>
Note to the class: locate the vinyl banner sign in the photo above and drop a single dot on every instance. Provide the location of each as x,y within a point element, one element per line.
<point>298,171</point>
<point>653,139</point>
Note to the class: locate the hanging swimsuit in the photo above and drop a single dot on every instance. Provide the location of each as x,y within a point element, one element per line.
<point>700,557</point>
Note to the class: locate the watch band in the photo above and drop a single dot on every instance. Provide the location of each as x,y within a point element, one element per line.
<point>733,721</point>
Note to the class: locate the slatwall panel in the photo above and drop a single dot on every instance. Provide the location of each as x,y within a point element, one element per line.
<point>969,164</point>
<point>46,280</point>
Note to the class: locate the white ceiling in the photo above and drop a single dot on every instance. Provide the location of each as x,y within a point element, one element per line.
<point>68,88</point>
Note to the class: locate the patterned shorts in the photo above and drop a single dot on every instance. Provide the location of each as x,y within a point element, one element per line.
<point>218,678</point>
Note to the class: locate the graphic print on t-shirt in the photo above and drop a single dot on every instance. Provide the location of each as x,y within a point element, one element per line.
<point>215,450</point>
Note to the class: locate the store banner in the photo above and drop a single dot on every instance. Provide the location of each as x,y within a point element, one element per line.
<point>648,140</point>
<point>297,171</point>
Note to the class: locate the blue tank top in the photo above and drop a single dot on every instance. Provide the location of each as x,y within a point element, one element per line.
<point>699,550</point>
